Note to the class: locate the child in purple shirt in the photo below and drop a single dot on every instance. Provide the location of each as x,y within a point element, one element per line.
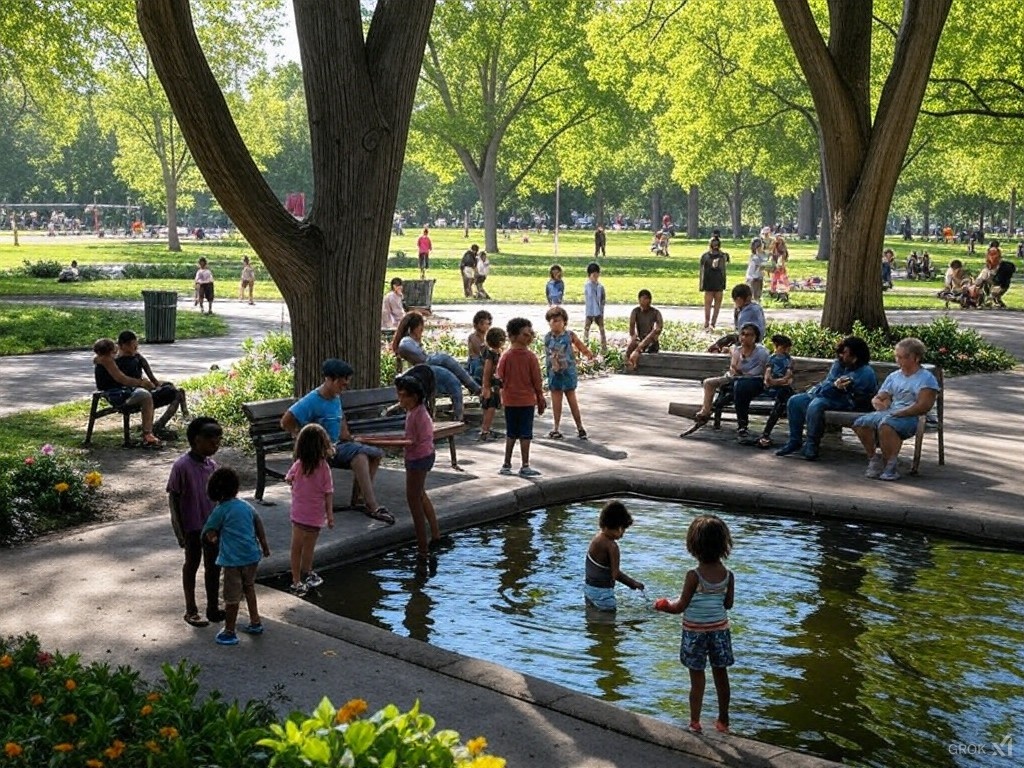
<point>190,508</point>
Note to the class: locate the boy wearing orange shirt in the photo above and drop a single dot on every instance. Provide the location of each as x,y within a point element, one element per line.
<point>521,392</point>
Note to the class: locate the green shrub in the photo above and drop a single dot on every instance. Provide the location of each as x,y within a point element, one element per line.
<point>45,491</point>
<point>42,268</point>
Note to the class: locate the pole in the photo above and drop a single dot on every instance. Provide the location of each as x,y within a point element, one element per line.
<point>558,196</point>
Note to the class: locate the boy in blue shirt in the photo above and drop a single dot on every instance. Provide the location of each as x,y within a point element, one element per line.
<point>593,299</point>
<point>778,381</point>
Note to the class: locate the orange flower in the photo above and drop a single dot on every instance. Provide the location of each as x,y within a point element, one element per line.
<point>35,699</point>
<point>114,750</point>
<point>352,709</point>
<point>70,718</point>
<point>169,732</point>
<point>93,763</point>
<point>12,750</point>
<point>70,684</point>
<point>64,747</point>
<point>94,479</point>
<point>154,696</point>
<point>146,711</point>
<point>152,746</point>
<point>61,487</point>
<point>6,661</point>
<point>476,746</point>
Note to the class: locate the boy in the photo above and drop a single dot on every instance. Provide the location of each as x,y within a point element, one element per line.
<point>521,390</point>
<point>237,531</point>
<point>204,286</point>
<point>645,326</point>
<point>601,568</point>
<point>593,299</point>
<point>490,394</point>
<point>778,381</point>
<point>134,365</point>
<point>190,509</point>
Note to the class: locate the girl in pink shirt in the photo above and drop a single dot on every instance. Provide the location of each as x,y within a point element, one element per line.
<point>419,460</point>
<point>312,503</point>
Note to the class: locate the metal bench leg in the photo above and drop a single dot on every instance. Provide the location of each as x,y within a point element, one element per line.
<point>261,475</point>
<point>127,428</point>
<point>92,419</point>
<point>455,458</point>
<point>918,442</point>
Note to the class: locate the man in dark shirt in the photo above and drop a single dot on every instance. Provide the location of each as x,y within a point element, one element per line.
<point>645,326</point>
<point>135,365</point>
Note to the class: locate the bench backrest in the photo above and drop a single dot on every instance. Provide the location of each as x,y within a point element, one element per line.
<point>264,416</point>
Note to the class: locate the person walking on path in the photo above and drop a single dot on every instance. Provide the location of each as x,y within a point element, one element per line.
<point>248,280</point>
<point>204,286</point>
<point>423,248</point>
<point>467,267</point>
<point>712,281</point>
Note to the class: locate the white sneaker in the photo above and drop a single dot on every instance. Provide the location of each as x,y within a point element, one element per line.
<point>890,473</point>
<point>875,466</point>
<point>313,580</point>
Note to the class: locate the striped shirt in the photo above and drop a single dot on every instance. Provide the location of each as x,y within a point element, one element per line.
<point>706,611</point>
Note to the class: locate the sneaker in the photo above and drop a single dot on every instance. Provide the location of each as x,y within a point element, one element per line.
<point>506,469</point>
<point>494,434</point>
<point>811,451</point>
<point>313,580</point>
<point>581,433</point>
<point>226,638</point>
<point>299,588</point>
<point>890,473</point>
<point>788,448</point>
<point>875,466</point>
<point>742,434</point>
<point>253,629</point>
<point>528,472</point>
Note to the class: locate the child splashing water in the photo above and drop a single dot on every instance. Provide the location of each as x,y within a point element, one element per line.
<point>707,596</point>
<point>602,563</point>
<point>312,503</point>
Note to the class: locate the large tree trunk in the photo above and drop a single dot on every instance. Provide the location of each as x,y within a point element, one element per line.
<point>736,205</point>
<point>693,212</point>
<point>329,267</point>
<point>861,157</point>
<point>805,214</point>
<point>927,227</point>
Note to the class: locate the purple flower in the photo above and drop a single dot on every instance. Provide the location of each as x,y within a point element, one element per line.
<point>46,450</point>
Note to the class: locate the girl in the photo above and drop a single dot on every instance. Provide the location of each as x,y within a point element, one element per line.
<point>555,289</point>
<point>755,268</point>
<point>490,395</point>
<point>408,346</point>
<point>706,597</point>
<point>560,361</point>
<point>204,286</point>
<point>312,503</point>
<point>419,460</point>
<point>780,275</point>
<point>248,280</point>
<point>602,563</point>
<point>712,281</point>
<point>477,343</point>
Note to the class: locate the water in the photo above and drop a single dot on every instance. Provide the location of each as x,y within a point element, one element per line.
<point>871,645</point>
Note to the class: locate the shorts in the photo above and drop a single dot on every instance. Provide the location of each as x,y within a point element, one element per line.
<point>248,283</point>
<point>206,291</point>
<point>599,319</point>
<point>306,527</point>
<point>344,453</point>
<point>128,396</point>
<point>519,422</point>
<point>563,381</point>
<point>494,401</point>
<point>165,394</point>
<point>422,464</point>
<point>602,598</point>
<point>697,647</point>
<point>238,578</point>
<point>424,260</point>
<point>904,426</point>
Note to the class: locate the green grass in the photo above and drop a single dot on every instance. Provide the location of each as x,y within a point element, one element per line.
<point>29,328</point>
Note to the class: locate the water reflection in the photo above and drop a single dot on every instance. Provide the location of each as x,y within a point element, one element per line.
<point>870,645</point>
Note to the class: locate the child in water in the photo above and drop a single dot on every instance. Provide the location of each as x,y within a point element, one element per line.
<point>707,596</point>
<point>602,564</point>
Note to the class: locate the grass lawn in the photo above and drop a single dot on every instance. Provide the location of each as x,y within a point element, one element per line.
<point>519,273</point>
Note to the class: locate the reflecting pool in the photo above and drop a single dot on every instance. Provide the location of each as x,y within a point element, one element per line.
<point>854,642</point>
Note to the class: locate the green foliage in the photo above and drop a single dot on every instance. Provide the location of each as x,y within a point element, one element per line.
<point>42,268</point>
<point>46,490</point>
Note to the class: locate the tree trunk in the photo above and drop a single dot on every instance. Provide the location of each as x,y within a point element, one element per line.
<point>1011,225</point>
<point>171,192</point>
<point>599,209</point>
<point>655,210</point>
<point>769,211</point>
<point>488,190</point>
<point>927,227</point>
<point>736,205</point>
<point>805,214</point>
<point>359,92</point>
<point>693,212</point>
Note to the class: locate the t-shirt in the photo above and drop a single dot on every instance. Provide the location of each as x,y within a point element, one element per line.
<point>483,268</point>
<point>411,350</point>
<point>419,428</point>
<point>308,491</point>
<point>712,270</point>
<point>248,273</point>
<point>235,522</point>
<point>519,371</point>
<point>752,365</point>
<point>204,276</point>
<point>593,298</point>
<point>315,408</point>
<point>391,310</point>
<point>555,291</point>
<point>755,266</point>
<point>188,478</point>
<point>905,389</point>
<point>750,313</point>
<point>779,364</point>
<point>645,322</point>
<point>423,244</point>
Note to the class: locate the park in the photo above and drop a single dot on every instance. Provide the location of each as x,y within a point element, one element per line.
<point>804,656</point>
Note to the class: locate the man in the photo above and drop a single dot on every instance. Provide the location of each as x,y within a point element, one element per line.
<point>849,386</point>
<point>600,241</point>
<point>468,269</point>
<point>392,311</point>
<point>323,406</point>
<point>645,326</point>
<point>131,363</point>
<point>746,311</point>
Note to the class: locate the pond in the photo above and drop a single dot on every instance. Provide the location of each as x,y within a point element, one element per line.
<point>871,645</point>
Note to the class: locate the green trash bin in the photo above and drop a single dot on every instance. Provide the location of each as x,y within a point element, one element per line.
<point>161,313</point>
<point>417,294</point>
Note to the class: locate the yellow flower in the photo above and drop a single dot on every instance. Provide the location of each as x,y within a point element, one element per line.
<point>352,709</point>
<point>94,479</point>
<point>488,761</point>
<point>36,699</point>
<point>114,750</point>
<point>12,750</point>
<point>61,487</point>
<point>6,662</point>
<point>146,711</point>
<point>169,732</point>
<point>152,746</point>
<point>70,718</point>
<point>64,747</point>
<point>70,684</point>
<point>93,763</point>
<point>154,696</point>
<point>476,746</point>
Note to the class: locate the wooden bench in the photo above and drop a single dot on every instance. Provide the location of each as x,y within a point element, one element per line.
<point>96,412</point>
<point>807,371</point>
<point>367,412</point>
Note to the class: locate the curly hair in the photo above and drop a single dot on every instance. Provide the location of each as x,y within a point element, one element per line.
<point>708,539</point>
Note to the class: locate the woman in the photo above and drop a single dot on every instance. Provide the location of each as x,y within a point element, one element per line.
<point>407,345</point>
<point>712,281</point>
<point>122,390</point>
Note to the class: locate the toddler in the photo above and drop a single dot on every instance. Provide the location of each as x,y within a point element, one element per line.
<point>419,460</point>
<point>594,298</point>
<point>521,392</point>
<point>238,532</point>
<point>312,503</point>
<point>477,343</point>
<point>490,395</point>
<point>602,564</point>
<point>706,597</point>
<point>778,381</point>
<point>555,289</point>
<point>560,346</point>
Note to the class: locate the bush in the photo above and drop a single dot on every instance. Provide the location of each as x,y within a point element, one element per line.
<point>42,268</point>
<point>45,491</point>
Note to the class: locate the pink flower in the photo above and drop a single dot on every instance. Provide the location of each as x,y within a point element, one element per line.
<point>30,460</point>
<point>943,350</point>
<point>233,374</point>
<point>275,367</point>
<point>46,450</point>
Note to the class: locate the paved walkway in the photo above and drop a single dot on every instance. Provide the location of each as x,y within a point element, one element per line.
<point>111,593</point>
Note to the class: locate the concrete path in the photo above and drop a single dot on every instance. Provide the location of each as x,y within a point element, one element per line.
<point>112,591</point>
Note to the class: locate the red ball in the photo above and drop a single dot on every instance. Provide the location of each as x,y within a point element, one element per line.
<point>661,604</point>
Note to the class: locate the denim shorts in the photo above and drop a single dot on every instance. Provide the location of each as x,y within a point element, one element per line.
<point>344,453</point>
<point>904,426</point>
<point>602,598</point>
<point>422,464</point>
<point>697,647</point>
<point>519,422</point>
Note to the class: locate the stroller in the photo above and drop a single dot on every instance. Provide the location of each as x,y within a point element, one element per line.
<point>660,245</point>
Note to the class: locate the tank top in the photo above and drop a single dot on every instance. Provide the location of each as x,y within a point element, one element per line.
<point>597,575</point>
<point>104,381</point>
<point>706,611</point>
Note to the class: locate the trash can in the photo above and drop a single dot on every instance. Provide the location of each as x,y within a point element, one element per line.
<point>161,313</point>
<point>417,294</point>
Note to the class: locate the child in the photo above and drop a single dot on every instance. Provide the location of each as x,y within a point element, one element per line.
<point>237,531</point>
<point>555,289</point>
<point>756,267</point>
<point>204,286</point>
<point>521,391</point>
<point>780,273</point>
<point>593,299</point>
<point>707,594</point>
<point>602,563</point>
<point>490,395</point>
<point>312,503</point>
<point>778,380</point>
<point>120,389</point>
<point>190,509</point>
<point>483,268</point>
<point>477,343</point>
<point>560,361</point>
<point>419,460</point>
<point>248,280</point>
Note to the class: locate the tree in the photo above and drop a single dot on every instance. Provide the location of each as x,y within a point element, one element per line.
<point>359,94</point>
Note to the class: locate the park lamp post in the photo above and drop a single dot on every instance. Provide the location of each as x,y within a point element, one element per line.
<point>96,210</point>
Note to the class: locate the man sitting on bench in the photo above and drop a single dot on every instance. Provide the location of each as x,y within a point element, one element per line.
<point>134,365</point>
<point>323,406</point>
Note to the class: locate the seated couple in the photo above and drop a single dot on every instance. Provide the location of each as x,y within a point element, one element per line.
<point>449,376</point>
<point>126,378</point>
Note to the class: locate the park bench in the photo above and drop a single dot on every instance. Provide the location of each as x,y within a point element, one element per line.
<point>697,366</point>
<point>96,412</point>
<point>367,412</point>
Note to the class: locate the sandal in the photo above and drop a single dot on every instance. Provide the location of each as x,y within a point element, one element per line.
<point>554,434</point>
<point>149,440</point>
<point>764,442</point>
<point>382,514</point>
<point>699,420</point>
<point>196,620</point>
